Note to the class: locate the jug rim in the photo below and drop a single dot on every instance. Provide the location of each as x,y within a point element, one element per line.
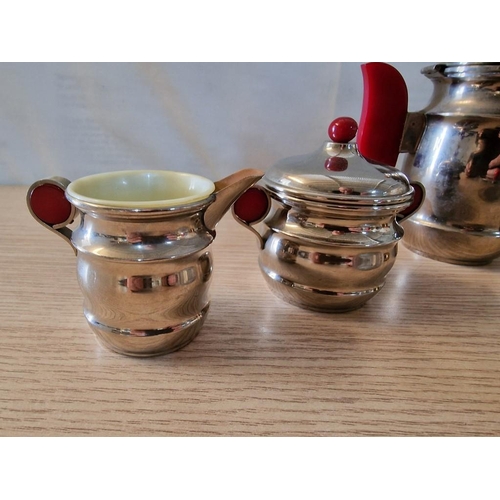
<point>140,189</point>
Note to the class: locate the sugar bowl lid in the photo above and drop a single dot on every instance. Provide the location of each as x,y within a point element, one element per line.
<point>337,175</point>
<point>335,178</point>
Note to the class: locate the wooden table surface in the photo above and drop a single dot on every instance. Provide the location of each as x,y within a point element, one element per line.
<point>420,358</point>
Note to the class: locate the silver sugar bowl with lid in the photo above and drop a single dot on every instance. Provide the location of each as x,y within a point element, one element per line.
<point>328,223</point>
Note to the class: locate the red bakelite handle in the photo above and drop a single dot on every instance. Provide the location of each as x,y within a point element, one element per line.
<point>49,204</point>
<point>252,206</point>
<point>383,114</point>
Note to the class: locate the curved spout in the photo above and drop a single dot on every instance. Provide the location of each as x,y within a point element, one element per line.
<point>227,191</point>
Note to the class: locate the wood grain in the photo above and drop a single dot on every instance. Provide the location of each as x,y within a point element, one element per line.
<point>421,358</point>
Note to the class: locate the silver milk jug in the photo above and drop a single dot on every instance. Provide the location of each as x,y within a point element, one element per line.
<point>452,147</point>
<point>144,262</point>
<point>328,223</point>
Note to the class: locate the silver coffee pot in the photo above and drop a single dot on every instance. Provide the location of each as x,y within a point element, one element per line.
<point>452,147</point>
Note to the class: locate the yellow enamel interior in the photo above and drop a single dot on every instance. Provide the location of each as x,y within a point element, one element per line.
<point>141,189</point>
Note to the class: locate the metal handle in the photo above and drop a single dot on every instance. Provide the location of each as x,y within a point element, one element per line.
<point>251,208</point>
<point>418,200</point>
<point>228,190</point>
<point>48,205</point>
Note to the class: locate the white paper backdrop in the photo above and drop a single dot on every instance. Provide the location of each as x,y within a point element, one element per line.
<point>75,119</point>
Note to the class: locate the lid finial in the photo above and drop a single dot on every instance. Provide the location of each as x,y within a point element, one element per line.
<point>343,129</point>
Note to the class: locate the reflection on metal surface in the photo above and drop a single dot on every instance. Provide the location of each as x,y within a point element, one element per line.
<point>140,284</point>
<point>484,159</point>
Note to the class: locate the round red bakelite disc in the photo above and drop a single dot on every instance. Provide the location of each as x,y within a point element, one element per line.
<point>252,205</point>
<point>343,129</point>
<point>49,204</point>
<point>336,164</point>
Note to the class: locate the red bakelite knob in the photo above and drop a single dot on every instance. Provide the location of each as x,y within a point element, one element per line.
<point>49,204</point>
<point>252,205</point>
<point>342,129</point>
<point>336,164</point>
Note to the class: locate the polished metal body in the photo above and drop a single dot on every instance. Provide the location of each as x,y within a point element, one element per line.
<point>144,270</point>
<point>453,149</point>
<point>322,260</point>
<point>330,238</point>
<point>144,276</point>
